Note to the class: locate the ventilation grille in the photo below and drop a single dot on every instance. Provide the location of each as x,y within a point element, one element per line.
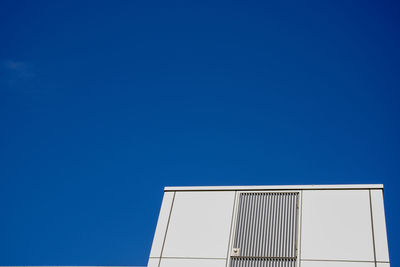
<point>266,230</point>
<point>257,262</point>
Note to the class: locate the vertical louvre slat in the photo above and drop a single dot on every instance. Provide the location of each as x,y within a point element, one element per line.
<point>266,230</point>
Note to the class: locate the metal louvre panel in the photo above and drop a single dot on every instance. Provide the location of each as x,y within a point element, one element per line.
<point>266,230</point>
<point>259,262</point>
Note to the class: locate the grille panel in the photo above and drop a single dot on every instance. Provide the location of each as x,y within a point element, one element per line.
<point>266,230</point>
<point>260,262</point>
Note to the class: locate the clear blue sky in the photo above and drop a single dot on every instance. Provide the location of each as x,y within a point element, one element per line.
<point>102,104</point>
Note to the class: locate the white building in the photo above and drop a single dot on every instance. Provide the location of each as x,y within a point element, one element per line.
<point>260,226</point>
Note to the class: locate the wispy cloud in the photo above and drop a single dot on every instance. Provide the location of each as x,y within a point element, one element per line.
<point>18,76</point>
<point>17,69</point>
<point>23,78</point>
<point>14,65</point>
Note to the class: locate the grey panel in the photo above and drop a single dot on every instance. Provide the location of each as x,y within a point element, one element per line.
<point>266,230</point>
<point>259,262</point>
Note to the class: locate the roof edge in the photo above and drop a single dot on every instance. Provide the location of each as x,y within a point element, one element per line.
<point>272,187</point>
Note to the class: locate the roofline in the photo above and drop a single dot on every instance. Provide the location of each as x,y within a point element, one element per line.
<point>273,187</point>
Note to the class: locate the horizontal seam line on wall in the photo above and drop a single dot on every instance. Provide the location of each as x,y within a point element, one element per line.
<point>371,261</point>
<point>189,258</point>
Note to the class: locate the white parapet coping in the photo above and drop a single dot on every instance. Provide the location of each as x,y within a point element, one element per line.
<point>274,187</point>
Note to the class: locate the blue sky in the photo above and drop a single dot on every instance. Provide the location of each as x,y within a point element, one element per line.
<point>103,103</point>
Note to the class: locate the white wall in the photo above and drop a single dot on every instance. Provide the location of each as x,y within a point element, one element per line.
<point>336,264</point>
<point>197,230</point>
<point>378,215</point>
<point>162,223</point>
<point>200,225</point>
<point>337,228</point>
<point>336,225</point>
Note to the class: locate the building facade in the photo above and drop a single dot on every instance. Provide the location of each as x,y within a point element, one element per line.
<point>260,226</point>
